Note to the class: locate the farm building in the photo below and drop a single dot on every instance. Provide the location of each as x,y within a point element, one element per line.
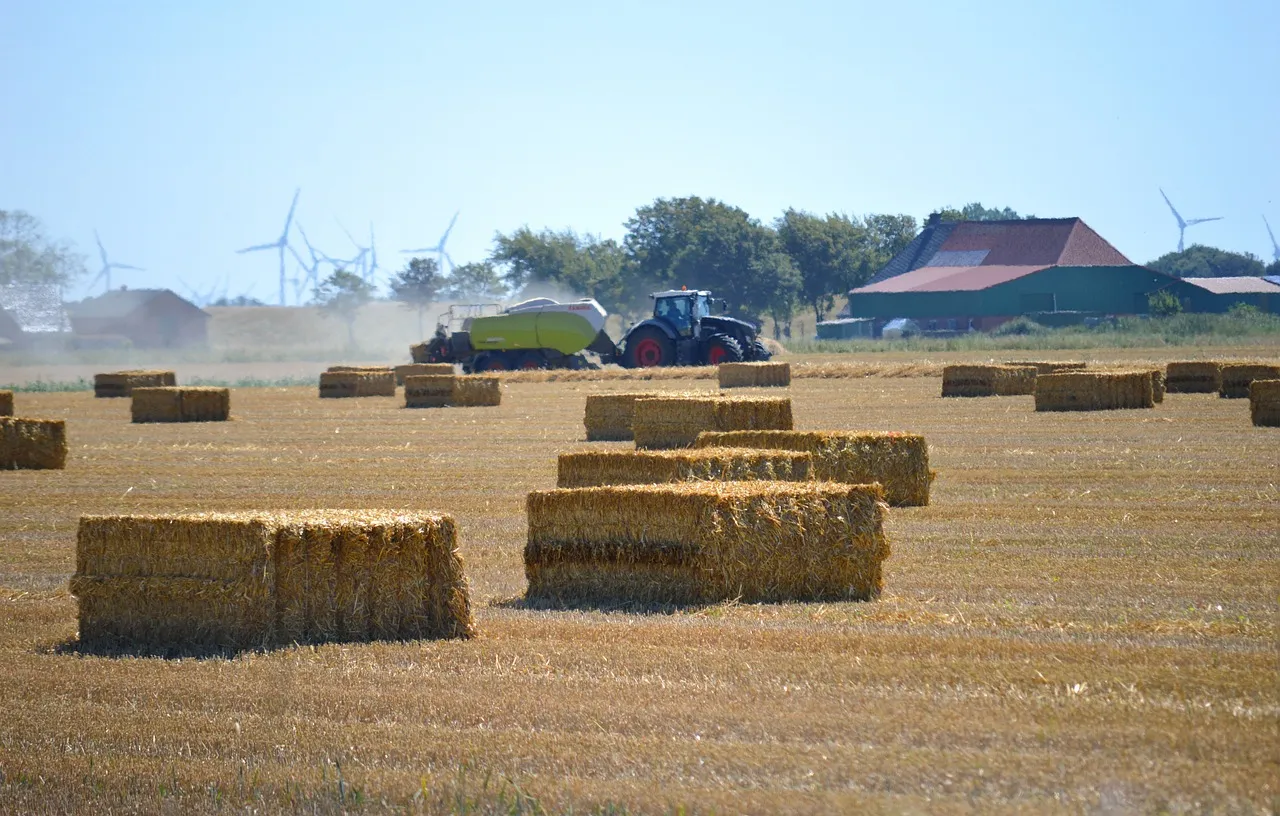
<point>958,276</point>
<point>146,318</point>
<point>31,315</point>
<point>1220,294</point>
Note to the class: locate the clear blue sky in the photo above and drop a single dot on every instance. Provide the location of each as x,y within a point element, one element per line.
<point>180,130</point>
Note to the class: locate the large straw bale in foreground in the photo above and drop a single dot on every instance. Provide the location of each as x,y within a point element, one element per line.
<point>1264,402</point>
<point>737,375</point>
<point>253,580</point>
<point>122,383</point>
<point>360,383</point>
<point>701,542</point>
<point>988,380</point>
<point>594,468</point>
<point>1237,376</point>
<point>675,422</point>
<point>181,404</point>
<point>1193,377</point>
<point>421,369</point>
<point>32,444</point>
<point>611,417</point>
<point>6,403</point>
<point>1048,367</point>
<point>898,461</point>
<point>1094,391</point>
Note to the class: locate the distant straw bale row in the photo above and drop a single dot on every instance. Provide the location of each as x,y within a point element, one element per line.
<point>32,444</point>
<point>702,542</point>
<point>181,404</point>
<point>440,390</point>
<point>122,383</point>
<point>1237,376</point>
<point>255,580</point>
<point>1201,377</point>
<point>739,375</point>
<point>1264,402</point>
<point>988,380</point>
<point>6,403</point>
<point>358,383</point>
<point>1044,367</point>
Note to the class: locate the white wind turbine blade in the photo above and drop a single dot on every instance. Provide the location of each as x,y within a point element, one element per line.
<point>1203,220</point>
<point>1181,223</point>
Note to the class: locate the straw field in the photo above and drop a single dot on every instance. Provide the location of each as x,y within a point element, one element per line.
<point>1264,402</point>
<point>740,375</point>
<point>1083,619</point>
<point>614,467</point>
<point>898,461</point>
<point>6,403</point>
<point>122,383</point>
<point>701,542</point>
<point>675,422</point>
<point>1237,376</point>
<point>32,444</point>
<point>184,404</point>
<point>988,380</point>
<point>1193,377</point>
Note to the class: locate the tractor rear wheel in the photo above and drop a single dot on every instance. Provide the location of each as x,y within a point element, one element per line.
<point>489,362</point>
<point>721,348</point>
<point>648,347</point>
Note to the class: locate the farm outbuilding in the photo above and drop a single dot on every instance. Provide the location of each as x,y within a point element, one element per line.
<point>1220,294</point>
<point>147,318</point>
<point>960,276</point>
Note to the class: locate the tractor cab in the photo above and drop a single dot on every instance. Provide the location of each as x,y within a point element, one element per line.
<point>682,309</point>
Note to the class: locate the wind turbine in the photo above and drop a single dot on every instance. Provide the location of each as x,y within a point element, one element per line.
<point>1275,248</point>
<point>439,249</point>
<point>1183,224</point>
<point>359,260</point>
<point>105,273</point>
<point>280,243</point>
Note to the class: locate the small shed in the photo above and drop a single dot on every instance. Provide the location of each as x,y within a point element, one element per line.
<point>147,318</point>
<point>846,329</point>
<point>1220,294</point>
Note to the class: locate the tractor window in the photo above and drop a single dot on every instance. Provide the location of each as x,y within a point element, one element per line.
<point>677,311</point>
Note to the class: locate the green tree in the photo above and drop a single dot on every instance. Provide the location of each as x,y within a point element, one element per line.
<point>27,255</point>
<point>417,286</point>
<point>1200,261</point>
<point>1163,303</point>
<point>1273,269</point>
<point>583,264</point>
<point>706,244</point>
<point>343,294</point>
<point>830,254</point>
<point>887,235</point>
<point>474,281</point>
<point>974,211</point>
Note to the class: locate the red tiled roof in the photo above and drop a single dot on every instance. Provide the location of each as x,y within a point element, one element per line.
<point>951,278</point>
<point>1034,242</point>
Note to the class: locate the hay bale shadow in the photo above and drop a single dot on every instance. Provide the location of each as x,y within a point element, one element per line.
<point>611,605</point>
<point>74,647</point>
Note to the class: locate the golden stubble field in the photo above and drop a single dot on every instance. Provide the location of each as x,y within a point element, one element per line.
<point>1083,619</point>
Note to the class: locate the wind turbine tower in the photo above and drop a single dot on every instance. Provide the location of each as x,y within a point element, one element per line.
<point>105,273</point>
<point>1183,223</point>
<point>1275,247</point>
<point>280,243</point>
<point>441,254</point>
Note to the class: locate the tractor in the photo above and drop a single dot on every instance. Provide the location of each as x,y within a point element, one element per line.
<point>683,331</point>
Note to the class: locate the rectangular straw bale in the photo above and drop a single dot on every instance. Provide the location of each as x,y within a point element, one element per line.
<point>675,422</point>
<point>1237,376</point>
<point>1264,402</point>
<point>898,461</point>
<point>156,404</point>
<point>184,404</point>
<point>1049,367</point>
<point>205,404</point>
<point>1094,391</point>
<point>122,383</point>
<point>702,542</point>
<point>988,380</point>
<point>369,369</point>
<point>472,390</point>
<point>33,444</point>
<point>609,417</point>
<point>1193,377</point>
<point>6,403</point>
<point>428,390</point>
<point>420,369</point>
<point>247,580</point>
<point>734,375</point>
<point>358,382</point>
<point>339,384</point>
<point>592,468</point>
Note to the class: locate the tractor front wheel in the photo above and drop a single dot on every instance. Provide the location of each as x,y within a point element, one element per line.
<point>649,347</point>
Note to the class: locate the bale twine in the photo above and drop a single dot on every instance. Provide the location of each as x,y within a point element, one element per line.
<point>122,383</point>
<point>1193,377</point>
<point>421,369</point>
<point>898,461</point>
<point>1094,391</point>
<point>675,422</point>
<point>6,403</point>
<point>988,380</point>
<point>32,444</point>
<point>255,580</point>
<point>181,404</point>
<point>1237,376</point>
<point>1049,367</point>
<point>738,375</point>
<point>1264,402</point>
<point>702,542</point>
<point>594,468</point>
